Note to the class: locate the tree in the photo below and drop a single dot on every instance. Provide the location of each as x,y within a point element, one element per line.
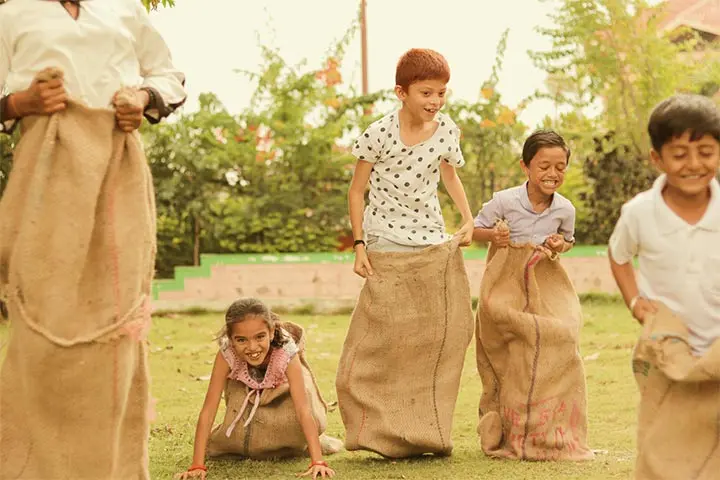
<point>609,56</point>
<point>491,140</point>
<point>613,173</point>
<point>189,162</point>
<point>298,120</point>
<point>272,179</point>
<point>153,4</point>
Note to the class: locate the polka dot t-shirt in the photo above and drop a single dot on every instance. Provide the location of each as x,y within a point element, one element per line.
<point>403,203</point>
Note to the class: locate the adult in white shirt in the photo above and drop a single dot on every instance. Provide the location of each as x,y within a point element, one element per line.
<point>100,45</point>
<point>77,236</point>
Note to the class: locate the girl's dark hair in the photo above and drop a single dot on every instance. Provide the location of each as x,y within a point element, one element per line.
<point>241,309</point>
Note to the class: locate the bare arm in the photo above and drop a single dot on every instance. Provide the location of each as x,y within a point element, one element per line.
<point>499,237</point>
<point>625,278</point>
<point>356,203</point>
<point>302,408</point>
<point>624,275</point>
<point>218,379</point>
<point>483,235</point>
<point>624,245</point>
<point>455,189</point>
<point>41,98</point>
<point>356,196</point>
<point>565,232</point>
<point>485,223</point>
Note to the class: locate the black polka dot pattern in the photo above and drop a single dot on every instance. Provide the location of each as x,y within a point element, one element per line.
<point>410,173</point>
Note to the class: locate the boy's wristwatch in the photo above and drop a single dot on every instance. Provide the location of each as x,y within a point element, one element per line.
<point>358,242</point>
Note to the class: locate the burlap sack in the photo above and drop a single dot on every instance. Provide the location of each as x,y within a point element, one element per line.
<point>679,418</point>
<point>77,230</point>
<point>533,405</point>
<point>274,431</point>
<point>399,373</point>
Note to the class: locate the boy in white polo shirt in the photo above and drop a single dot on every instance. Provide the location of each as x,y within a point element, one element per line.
<point>674,228</point>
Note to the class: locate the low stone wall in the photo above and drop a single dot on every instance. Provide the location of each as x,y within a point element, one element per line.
<point>329,286</point>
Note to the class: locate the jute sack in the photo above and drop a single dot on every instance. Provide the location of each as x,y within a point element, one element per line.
<point>273,430</point>
<point>533,405</point>
<point>678,425</point>
<point>77,246</point>
<point>399,373</point>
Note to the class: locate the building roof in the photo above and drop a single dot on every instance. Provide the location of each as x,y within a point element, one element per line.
<point>702,15</point>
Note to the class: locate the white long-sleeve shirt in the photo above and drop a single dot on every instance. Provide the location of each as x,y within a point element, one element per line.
<point>111,45</point>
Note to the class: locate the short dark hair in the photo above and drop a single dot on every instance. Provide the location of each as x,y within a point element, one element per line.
<point>682,113</point>
<point>418,64</point>
<point>542,139</point>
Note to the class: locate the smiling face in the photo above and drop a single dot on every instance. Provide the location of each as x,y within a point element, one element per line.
<point>251,339</point>
<point>689,165</point>
<point>546,172</point>
<point>424,98</point>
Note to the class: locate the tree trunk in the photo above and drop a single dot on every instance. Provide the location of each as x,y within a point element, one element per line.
<point>196,241</point>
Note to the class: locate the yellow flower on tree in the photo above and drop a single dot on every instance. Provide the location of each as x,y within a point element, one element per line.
<point>332,77</point>
<point>506,117</point>
<point>333,102</point>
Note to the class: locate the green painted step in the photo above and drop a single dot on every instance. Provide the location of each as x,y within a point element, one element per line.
<point>207,261</point>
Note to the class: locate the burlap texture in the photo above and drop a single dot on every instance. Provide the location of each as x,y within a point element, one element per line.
<point>533,405</point>
<point>274,431</point>
<point>77,247</point>
<point>399,373</point>
<point>679,415</point>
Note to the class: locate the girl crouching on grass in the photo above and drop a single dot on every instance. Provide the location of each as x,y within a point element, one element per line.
<point>274,407</point>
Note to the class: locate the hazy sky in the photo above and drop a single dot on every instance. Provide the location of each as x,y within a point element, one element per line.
<point>465,31</point>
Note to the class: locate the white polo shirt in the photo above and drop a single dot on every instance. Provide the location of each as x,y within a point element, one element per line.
<point>679,263</point>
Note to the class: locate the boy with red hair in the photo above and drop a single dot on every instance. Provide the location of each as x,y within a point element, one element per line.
<point>399,373</point>
<point>403,156</point>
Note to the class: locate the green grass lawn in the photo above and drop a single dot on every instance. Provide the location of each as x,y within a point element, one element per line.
<point>182,352</point>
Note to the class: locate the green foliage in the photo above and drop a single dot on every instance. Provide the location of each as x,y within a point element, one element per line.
<point>154,4</point>
<point>272,179</point>
<point>616,176</point>
<point>189,175</point>
<point>491,142</point>
<point>299,204</point>
<point>275,177</point>
<point>577,188</point>
<point>7,145</point>
<point>609,55</point>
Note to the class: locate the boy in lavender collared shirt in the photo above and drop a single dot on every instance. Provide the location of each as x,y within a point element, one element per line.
<point>527,310</point>
<point>534,211</point>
